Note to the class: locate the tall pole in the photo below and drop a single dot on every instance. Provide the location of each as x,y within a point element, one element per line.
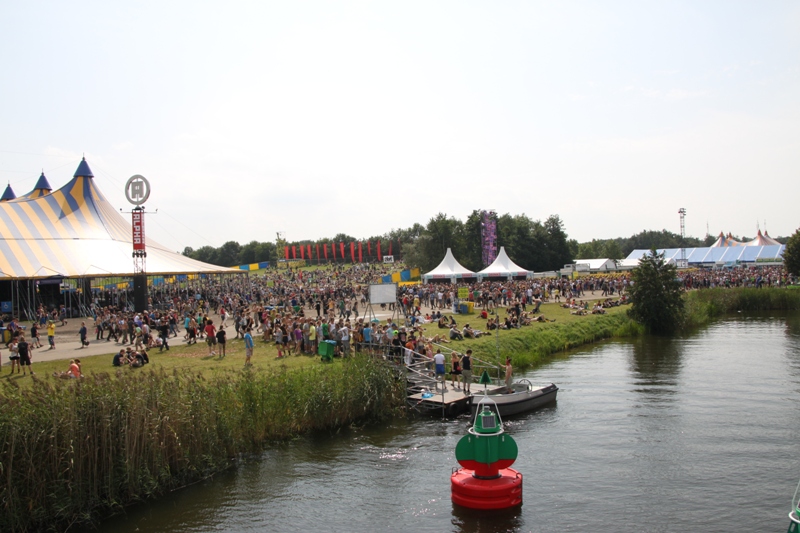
<point>682,213</point>
<point>137,191</point>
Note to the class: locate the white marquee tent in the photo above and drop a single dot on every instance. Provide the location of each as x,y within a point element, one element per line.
<point>449,268</point>
<point>504,267</point>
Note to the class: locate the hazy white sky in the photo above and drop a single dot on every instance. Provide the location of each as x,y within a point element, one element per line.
<point>315,118</point>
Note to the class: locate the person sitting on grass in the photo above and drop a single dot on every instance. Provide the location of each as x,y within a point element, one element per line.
<point>455,334</point>
<point>471,333</point>
<point>74,371</point>
<point>120,358</point>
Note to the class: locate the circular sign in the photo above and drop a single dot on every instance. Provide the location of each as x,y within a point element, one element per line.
<point>137,190</point>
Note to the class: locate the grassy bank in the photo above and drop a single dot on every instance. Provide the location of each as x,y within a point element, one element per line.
<point>72,451</point>
<point>706,305</point>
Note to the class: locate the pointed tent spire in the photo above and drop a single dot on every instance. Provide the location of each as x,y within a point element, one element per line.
<point>83,170</point>
<point>8,194</point>
<point>43,184</point>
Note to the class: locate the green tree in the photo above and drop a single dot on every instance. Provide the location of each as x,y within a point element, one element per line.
<point>611,250</point>
<point>656,295</point>
<point>791,255</point>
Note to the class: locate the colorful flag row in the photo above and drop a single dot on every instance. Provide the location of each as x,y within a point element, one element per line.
<point>305,251</point>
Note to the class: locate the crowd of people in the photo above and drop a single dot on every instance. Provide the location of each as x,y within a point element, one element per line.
<point>298,309</point>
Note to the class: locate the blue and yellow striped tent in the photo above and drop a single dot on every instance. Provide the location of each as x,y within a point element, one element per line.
<point>75,232</point>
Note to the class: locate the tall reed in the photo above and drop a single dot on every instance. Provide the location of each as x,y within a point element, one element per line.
<point>72,451</point>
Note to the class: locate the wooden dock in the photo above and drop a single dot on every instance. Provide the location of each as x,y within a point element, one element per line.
<point>451,402</point>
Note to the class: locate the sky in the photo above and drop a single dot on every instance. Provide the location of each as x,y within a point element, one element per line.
<point>319,118</point>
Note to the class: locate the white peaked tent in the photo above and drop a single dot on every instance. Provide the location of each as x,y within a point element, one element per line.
<point>504,267</point>
<point>449,268</point>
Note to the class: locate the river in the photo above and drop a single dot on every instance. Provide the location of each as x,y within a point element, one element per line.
<point>695,433</point>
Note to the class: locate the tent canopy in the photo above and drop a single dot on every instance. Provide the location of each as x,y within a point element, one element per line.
<point>75,232</point>
<point>503,266</point>
<point>449,268</point>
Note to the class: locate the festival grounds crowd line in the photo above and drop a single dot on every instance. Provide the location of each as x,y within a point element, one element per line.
<point>297,308</point>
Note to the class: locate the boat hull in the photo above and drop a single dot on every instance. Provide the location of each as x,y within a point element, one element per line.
<point>519,401</point>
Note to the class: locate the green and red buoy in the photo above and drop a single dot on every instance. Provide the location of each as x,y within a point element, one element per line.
<point>485,454</point>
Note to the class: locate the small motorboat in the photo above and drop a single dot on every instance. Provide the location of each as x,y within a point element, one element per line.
<point>522,397</point>
<point>794,515</point>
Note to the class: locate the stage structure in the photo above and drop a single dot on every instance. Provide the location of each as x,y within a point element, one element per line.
<point>488,237</point>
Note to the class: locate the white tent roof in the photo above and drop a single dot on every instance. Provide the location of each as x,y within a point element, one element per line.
<point>503,266</point>
<point>598,264</point>
<point>449,268</point>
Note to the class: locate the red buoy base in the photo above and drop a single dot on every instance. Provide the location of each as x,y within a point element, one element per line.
<point>473,493</point>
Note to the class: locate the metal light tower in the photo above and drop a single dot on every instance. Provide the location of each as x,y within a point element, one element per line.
<point>137,191</point>
<point>682,213</point>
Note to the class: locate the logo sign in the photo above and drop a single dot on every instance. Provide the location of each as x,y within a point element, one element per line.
<point>137,190</point>
<point>388,259</point>
<point>138,229</point>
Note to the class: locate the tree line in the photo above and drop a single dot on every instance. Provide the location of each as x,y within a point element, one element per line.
<point>532,244</point>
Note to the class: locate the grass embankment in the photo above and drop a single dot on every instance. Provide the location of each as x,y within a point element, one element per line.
<point>705,305</point>
<point>532,345</point>
<point>74,450</point>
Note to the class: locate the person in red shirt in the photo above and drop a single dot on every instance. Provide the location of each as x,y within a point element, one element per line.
<point>211,336</point>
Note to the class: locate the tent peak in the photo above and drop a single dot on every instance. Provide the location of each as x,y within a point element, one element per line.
<point>8,194</point>
<point>43,184</point>
<point>83,170</point>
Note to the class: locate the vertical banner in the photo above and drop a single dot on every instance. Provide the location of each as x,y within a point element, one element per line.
<point>353,252</point>
<point>309,252</point>
<point>333,249</point>
<point>325,249</point>
<point>286,252</point>
<point>369,249</point>
<point>302,252</point>
<point>360,260</point>
<point>390,248</point>
<point>138,229</point>
<point>341,249</point>
<point>294,252</point>
<point>378,251</point>
<point>317,252</point>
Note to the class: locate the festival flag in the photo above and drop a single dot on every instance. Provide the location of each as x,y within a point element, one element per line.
<point>353,252</point>
<point>294,252</point>
<point>325,249</point>
<point>309,252</point>
<point>317,252</point>
<point>369,249</point>
<point>390,248</point>
<point>360,260</point>
<point>302,252</point>
<point>286,252</point>
<point>341,249</point>
<point>378,251</point>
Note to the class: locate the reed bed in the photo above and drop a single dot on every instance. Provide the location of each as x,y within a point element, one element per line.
<point>75,451</point>
<point>705,305</point>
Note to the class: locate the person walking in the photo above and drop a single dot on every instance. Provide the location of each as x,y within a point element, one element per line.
<point>455,371</point>
<point>51,335</point>
<point>438,361</point>
<point>221,340</point>
<point>83,332</point>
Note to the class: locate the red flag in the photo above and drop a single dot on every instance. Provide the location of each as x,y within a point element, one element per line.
<point>294,252</point>
<point>377,252</point>
<point>390,248</point>
<point>341,249</point>
<point>360,260</point>
<point>286,252</point>
<point>317,252</point>
<point>309,252</point>
<point>302,252</point>
<point>353,252</point>
<point>369,249</point>
<point>333,249</point>
<point>325,249</point>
